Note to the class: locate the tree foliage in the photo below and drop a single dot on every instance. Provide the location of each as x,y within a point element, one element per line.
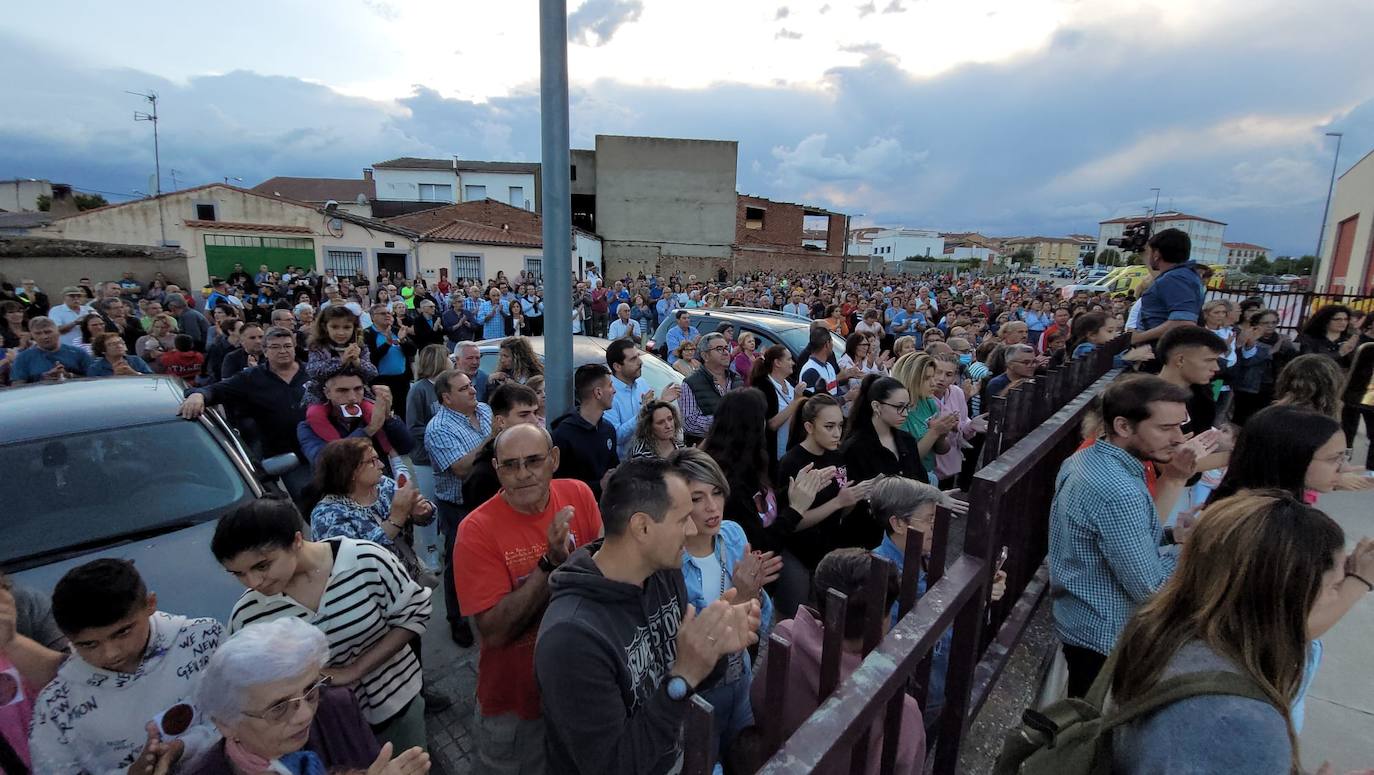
<point>1109,257</point>
<point>83,202</point>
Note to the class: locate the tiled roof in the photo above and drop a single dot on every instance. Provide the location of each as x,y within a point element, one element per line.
<point>1242,246</point>
<point>484,211</point>
<point>232,226</point>
<point>182,192</point>
<point>467,231</point>
<point>24,220</point>
<point>413,163</point>
<point>1032,240</point>
<point>1164,216</point>
<point>522,167</point>
<point>342,190</point>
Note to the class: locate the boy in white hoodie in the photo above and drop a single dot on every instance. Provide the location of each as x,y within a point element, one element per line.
<point>124,701</point>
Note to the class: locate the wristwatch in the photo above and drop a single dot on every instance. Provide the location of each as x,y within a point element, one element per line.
<point>678,689</point>
<point>546,565</point>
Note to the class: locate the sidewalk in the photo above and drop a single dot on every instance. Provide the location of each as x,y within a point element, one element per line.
<point>452,671</point>
<point>1340,704</point>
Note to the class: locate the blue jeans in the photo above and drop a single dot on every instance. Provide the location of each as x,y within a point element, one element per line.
<point>732,711</point>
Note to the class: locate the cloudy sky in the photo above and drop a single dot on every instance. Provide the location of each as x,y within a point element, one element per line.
<point>1006,116</point>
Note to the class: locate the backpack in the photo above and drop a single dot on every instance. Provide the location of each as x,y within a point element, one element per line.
<point>1074,736</point>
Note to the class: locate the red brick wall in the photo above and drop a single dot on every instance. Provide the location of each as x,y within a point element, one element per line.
<point>782,223</point>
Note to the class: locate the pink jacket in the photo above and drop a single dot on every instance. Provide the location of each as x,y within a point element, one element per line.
<point>806,635</point>
<point>949,463</point>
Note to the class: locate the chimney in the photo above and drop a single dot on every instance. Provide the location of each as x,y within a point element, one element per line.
<point>367,173</point>
<point>62,202</point>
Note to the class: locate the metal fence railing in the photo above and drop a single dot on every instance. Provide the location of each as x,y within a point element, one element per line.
<point>1032,430</point>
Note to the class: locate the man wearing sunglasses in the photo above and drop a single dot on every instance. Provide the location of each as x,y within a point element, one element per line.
<point>507,547</point>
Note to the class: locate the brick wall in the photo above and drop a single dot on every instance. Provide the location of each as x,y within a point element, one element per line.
<point>782,223</point>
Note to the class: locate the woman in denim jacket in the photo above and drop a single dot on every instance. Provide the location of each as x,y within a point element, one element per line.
<point>717,560</point>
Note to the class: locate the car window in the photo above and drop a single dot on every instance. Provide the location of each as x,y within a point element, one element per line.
<point>766,339</point>
<point>97,486</point>
<point>658,374</point>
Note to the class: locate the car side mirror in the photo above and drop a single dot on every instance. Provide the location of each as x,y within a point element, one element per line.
<point>280,465</point>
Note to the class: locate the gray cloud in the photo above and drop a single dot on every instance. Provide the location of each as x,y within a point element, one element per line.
<point>895,7</point>
<point>786,34</point>
<point>825,9</point>
<point>782,13</point>
<point>866,9</point>
<point>596,22</point>
<point>1050,141</point>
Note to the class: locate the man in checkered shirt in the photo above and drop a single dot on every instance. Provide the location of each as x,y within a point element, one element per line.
<point>1105,555</point>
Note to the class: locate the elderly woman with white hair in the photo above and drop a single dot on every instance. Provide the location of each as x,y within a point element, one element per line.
<point>265,692</point>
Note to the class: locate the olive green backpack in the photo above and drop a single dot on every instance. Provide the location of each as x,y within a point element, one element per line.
<point>1074,736</point>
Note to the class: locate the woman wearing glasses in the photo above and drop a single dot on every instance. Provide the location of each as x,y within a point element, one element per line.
<point>874,443</point>
<point>265,691</point>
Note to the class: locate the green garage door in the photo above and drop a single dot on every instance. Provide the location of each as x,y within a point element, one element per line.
<point>222,251</point>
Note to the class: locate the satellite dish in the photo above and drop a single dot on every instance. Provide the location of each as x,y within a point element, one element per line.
<point>336,227</point>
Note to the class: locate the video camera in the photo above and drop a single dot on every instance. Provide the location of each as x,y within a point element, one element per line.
<point>1133,238</point>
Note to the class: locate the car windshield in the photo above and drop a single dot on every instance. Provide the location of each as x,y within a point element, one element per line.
<point>93,488</point>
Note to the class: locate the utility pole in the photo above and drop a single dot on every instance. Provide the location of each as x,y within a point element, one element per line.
<point>1321,235</point>
<point>557,204</point>
<point>151,117</point>
<point>1154,212</point>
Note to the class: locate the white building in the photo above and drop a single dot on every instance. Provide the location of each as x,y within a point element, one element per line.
<point>1347,260</point>
<point>1242,253</point>
<point>900,244</point>
<point>21,196</point>
<point>450,181</point>
<point>861,240</point>
<point>1205,233</point>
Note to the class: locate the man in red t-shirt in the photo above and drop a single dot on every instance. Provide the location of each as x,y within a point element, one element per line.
<point>505,551</point>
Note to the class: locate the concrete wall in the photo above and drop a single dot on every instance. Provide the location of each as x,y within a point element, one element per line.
<point>404,184</point>
<point>678,195</point>
<point>585,162</point>
<point>498,185</point>
<point>434,255</point>
<point>17,196</point>
<point>901,244</point>
<point>54,263</point>
<point>1354,197</point>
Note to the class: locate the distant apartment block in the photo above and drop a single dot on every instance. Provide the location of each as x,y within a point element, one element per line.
<point>1242,253</point>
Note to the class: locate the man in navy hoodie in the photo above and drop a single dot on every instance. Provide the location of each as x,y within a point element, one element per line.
<point>585,439</point>
<point>620,649</point>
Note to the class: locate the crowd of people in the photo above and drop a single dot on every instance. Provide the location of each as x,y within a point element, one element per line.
<point>612,562</point>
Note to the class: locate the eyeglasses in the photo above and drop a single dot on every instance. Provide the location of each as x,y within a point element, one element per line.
<point>280,347</point>
<point>719,349</point>
<point>898,408</point>
<point>515,465</point>
<point>283,710</point>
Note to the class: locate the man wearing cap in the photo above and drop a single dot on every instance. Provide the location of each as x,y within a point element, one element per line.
<point>69,314</point>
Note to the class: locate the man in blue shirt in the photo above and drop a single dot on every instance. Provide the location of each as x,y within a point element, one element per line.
<point>631,391</point>
<point>908,321</point>
<point>1175,298</point>
<point>683,330</point>
<point>49,359</point>
<point>1105,557</point>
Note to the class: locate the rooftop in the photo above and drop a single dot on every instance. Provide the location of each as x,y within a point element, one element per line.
<point>461,165</point>
<point>1243,246</point>
<point>342,190</point>
<point>1167,215</point>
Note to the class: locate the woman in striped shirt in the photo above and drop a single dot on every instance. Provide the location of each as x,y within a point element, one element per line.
<point>356,592</point>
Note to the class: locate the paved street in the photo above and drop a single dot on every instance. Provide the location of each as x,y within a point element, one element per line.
<point>453,671</point>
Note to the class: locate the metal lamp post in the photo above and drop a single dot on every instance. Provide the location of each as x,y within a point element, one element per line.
<point>1330,187</point>
<point>557,205</point>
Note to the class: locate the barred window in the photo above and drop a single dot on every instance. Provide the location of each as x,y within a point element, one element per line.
<point>535,266</point>
<point>345,263</point>
<point>469,267</point>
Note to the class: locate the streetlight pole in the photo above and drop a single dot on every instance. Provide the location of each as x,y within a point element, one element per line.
<point>844,260</point>
<point>1321,235</point>
<point>1154,212</point>
<point>557,204</point>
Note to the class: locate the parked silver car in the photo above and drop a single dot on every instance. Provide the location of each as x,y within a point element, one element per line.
<point>105,468</point>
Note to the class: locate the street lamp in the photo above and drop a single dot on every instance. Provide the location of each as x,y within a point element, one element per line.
<point>228,178</point>
<point>1321,235</point>
<point>1154,211</point>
